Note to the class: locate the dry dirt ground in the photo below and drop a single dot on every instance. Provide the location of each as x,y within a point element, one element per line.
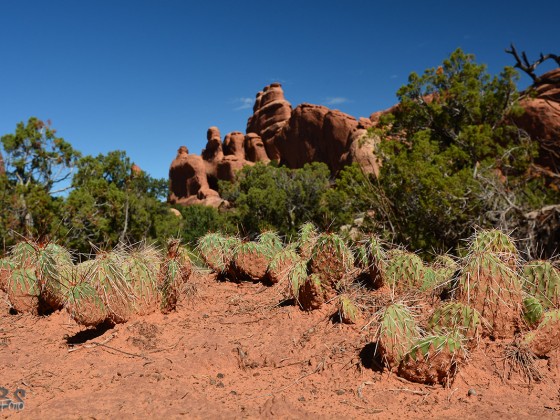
<point>232,351</point>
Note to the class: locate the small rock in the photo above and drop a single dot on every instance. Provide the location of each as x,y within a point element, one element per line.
<point>220,375</point>
<point>233,393</point>
<point>340,392</point>
<point>205,316</point>
<point>471,393</point>
<point>212,382</point>
<point>220,385</point>
<point>302,399</point>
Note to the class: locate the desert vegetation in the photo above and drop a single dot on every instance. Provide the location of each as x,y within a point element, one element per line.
<point>429,261</point>
<point>423,317</point>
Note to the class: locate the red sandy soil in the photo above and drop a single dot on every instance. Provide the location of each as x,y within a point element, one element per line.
<point>231,351</point>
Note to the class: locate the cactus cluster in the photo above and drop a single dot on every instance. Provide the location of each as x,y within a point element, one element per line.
<point>42,277</point>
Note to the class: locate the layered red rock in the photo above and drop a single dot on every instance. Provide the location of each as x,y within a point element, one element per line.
<point>541,118</point>
<point>315,133</point>
<point>270,113</point>
<point>189,182</point>
<point>309,133</point>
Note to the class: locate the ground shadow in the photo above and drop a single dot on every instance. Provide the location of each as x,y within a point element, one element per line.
<point>89,334</point>
<point>370,357</point>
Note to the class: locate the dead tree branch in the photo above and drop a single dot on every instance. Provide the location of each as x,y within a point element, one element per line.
<point>528,67</point>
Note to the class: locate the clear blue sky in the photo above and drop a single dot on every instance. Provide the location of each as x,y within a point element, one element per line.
<point>149,76</point>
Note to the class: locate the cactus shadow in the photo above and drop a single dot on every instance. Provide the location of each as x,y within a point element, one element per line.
<point>370,358</point>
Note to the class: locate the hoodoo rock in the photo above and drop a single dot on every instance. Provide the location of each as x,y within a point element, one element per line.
<point>270,113</point>
<point>189,182</point>
<point>308,133</point>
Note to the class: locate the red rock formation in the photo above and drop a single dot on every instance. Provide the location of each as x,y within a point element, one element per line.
<point>254,149</point>
<point>188,181</point>
<point>309,133</point>
<point>212,154</point>
<point>541,119</point>
<point>234,144</point>
<point>270,113</point>
<point>315,133</point>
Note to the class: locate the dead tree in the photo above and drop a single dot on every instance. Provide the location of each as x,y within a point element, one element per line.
<point>529,68</point>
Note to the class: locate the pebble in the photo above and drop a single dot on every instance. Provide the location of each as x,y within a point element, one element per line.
<point>471,393</point>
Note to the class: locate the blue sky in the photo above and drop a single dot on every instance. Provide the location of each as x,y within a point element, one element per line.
<point>149,76</point>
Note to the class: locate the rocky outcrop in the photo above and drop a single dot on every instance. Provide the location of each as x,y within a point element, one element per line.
<point>270,113</point>
<point>188,182</point>
<point>308,133</point>
<point>541,118</point>
<point>315,133</point>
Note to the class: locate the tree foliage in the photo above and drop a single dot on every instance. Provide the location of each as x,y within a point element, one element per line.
<point>111,203</point>
<point>450,159</point>
<point>271,197</point>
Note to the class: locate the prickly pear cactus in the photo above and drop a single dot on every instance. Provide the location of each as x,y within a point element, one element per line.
<point>84,304</point>
<point>542,280</point>
<point>281,264</point>
<point>546,337</point>
<point>404,271</point>
<point>370,256</point>
<point>347,309</point>
<point>434,359</point>
<point>23,290</point>
<point>496,242</point>
<point>455,316</point>
<point>331,260</point>
<point>398,333</point>
<point>489,285</point>
<point>307,236</point>
<point>532,311</point>
<point>217,250</point>
<point>251,259</point>
<point>6,267</point>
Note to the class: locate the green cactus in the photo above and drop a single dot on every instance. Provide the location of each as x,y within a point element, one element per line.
<point>312,293</point>
<point>434,359</point>
<point>281,264</point>
<point>251,259</point>
<point>370,255</point>
<point>404,270</point>
<point>455,316</point>
<point>440,273</point>
<point>307,237</point>
<point>23,290</point>
<point>23,254</point>
<point>496,242</point>
<point>398,333</point>
<point>532,311</point>
<point>542,280</point>
<point>84,304</point>
<point>297,277</point>
<point>217,250</point>
<point>272,241</point>
<point>546,337</point>
<point>489,285</point>
<point>141,268</point>
<point>6,267</point>
<point>53,262</point>
<point>106,274</point>
<point>347,309</point>
<point>426,346</point>
<point>331,259</point>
